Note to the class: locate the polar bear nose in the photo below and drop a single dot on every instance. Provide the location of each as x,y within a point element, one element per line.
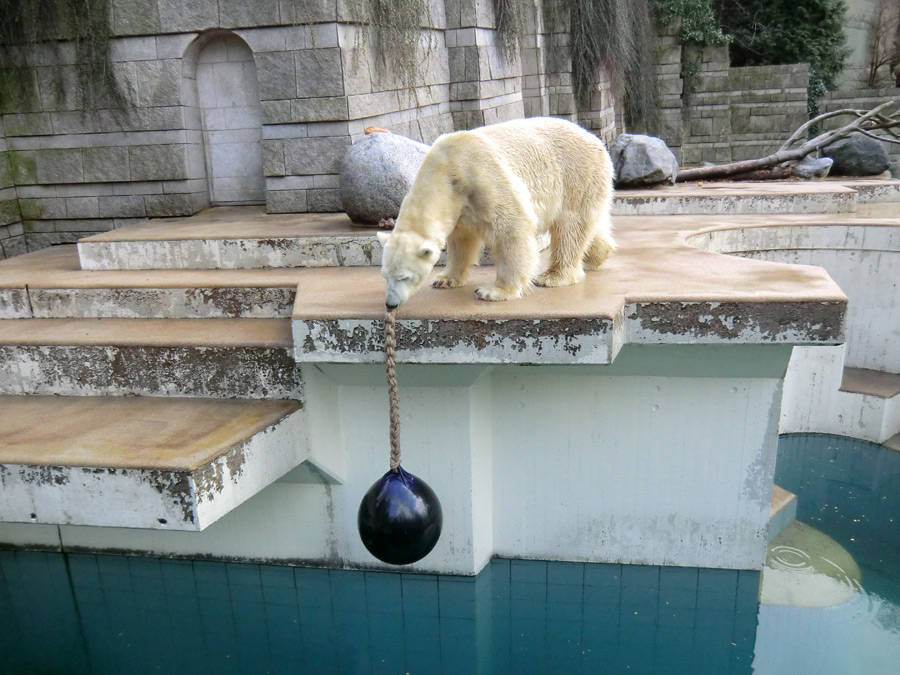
<point>391,305</point>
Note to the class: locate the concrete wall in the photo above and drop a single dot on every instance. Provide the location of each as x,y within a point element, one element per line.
<point>664,457</point>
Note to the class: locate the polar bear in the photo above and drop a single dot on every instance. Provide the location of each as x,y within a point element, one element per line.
<point>504,185</point>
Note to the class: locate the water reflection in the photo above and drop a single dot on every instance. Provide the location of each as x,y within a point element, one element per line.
<point>108,614</point>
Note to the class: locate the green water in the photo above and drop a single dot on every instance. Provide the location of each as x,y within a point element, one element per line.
<point>76,613</point>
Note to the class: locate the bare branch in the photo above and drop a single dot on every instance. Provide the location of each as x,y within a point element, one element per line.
<point>879,138</point>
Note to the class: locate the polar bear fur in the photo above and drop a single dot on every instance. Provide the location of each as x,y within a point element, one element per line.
<point>504,185</point>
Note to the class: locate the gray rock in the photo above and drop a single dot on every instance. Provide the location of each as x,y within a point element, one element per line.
<point>857,155</point>
<point>641,161</point>
<point>813,167</point>
<point>376,174</point>
<point>895,168</point>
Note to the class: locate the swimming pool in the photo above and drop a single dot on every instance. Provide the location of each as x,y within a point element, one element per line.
<point>83,613</point>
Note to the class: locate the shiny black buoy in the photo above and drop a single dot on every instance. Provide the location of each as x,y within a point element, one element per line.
<point>400,518</point>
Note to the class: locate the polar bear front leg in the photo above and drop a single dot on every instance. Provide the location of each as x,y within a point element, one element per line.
<point>516,256</point>
<point>463,250</point>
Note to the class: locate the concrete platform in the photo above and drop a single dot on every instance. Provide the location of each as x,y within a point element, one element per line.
<point>228,358</point>
<point>656,289</point>
<point>174,464</point>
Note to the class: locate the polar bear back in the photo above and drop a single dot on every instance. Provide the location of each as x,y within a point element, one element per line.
<point>555,165</point>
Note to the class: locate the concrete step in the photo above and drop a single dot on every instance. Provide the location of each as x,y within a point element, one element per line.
<point>878,394</point>
<point>50,284</point>
<point>176,464</point>
<point>248,238</point>
<point>782,512</point>
<point>227,358</point>
<point>233,238</point>
<point>707,199</point>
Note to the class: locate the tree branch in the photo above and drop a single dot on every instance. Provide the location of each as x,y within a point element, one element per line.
<point>788,154</point>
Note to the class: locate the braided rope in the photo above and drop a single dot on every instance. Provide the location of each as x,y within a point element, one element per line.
<point>390,350</point>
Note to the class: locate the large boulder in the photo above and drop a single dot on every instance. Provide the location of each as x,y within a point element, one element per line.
<point>376,173</point>
<point>641,161</point>
<point>857,155</point>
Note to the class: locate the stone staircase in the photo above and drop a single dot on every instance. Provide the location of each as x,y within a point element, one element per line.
<point>151,378</point>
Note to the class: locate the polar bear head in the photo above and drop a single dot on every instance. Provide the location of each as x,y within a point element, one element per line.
<point>407,260</point>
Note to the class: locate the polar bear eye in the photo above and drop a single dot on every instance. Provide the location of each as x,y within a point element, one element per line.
<point>404,277</point>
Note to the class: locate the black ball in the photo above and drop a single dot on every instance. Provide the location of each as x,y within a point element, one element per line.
<point>400,518</point>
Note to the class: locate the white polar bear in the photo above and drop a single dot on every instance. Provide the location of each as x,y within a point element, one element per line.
<point>504,185</point>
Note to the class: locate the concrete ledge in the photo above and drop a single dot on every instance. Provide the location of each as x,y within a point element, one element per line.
<point>736,199</point>
<point>50,284</point>
<point>752,235</point>
<point>870,382</point>
<point>783,511</point>
<point>173,464</point>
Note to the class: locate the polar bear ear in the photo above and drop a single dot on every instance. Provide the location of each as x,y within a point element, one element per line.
<point>427,252</point>
<point>383,236</point>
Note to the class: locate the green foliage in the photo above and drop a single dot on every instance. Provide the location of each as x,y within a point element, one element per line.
<point>78,33</point>
<point>773,32</point>
<point>698,23</point>
<point>618,35</point>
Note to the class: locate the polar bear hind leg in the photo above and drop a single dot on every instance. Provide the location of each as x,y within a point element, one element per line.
<point>570,238</point>
<point>602,243</point>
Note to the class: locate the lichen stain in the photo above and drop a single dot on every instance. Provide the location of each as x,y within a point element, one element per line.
<point>241,302</point>
<point>519,335</point>
<point>44,475</point>
<point>176,487</point>
<point>815,321</point>
<point>234,372</point>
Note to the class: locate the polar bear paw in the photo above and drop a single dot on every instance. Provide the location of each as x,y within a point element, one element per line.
<point>552,279</point>
<point>496,294</point>
<point>446,281</point>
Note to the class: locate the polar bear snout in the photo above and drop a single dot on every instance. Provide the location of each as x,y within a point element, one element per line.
<point>393,298</point>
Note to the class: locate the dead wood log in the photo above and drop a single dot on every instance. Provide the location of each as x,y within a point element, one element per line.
<point>866,122</point>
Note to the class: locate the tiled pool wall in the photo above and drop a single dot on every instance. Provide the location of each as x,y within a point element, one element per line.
<point>82,613</point>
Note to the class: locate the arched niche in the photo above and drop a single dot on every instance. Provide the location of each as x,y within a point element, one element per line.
<point>222,94</point>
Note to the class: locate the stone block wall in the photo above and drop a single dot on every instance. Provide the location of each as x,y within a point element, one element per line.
<point>311,80</point>
<point>671,87</point>
<point>714,113</point>
<point>707,124</point>
<point>12,239</point>
<point>768,104</point>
